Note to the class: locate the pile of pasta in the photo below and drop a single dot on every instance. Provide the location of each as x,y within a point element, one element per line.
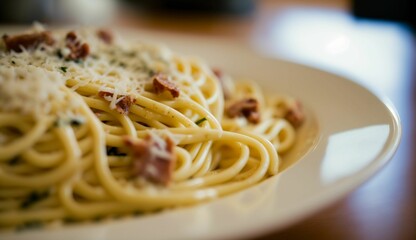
<point>93,125</point>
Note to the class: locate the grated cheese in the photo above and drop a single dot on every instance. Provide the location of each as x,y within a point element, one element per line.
<point>159,148</point>
<point>32,78</point>
<point>29,90</point>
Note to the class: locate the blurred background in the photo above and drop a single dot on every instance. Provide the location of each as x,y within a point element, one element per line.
<point>371,42</point>
<point>99,11</point>
<point>106,11</point>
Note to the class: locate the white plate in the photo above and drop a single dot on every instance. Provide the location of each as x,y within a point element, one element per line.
<point>351,133</point>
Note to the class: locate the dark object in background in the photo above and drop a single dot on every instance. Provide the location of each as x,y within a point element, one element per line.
<point>57,11</point>
<point>395,10</point>
<point>21,11</point>
<point>226,7</point>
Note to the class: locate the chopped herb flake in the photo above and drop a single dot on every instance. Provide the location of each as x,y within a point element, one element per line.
<point>151,72</point>
<point>201,121</point>
<point>14,161</point>
<point>113,151</point>
<point>70,220</point>
<point>63,69</point>
<point>33,198</point>
<point>59,53</point>
<point>131,54</point>
<point>76,122</point>
<point>13,62</point>
<point>29,225</point>
<point>137,213</point>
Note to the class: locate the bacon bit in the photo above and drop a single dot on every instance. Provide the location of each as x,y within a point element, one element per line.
<point>30,40</point>
<point>225,90</point>
<point>247,107</point>
<point>153,158</point>
<point>123,105</point>
<point>161,83</point>
<point>105,35</point>
<point>217,72</point>
<point>78,50</point>
<point>295,114</point>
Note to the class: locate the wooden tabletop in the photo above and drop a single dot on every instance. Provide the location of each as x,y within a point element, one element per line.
<point>324,34</point>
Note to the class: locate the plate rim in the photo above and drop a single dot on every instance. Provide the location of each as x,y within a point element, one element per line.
<point>317,204</point>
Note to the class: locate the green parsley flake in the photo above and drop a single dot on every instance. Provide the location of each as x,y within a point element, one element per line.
<point>200,120</point>
<point>33,198</point>
<point>63,69</point>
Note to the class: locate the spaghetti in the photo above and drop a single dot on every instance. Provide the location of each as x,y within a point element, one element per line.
<point>92,125</point>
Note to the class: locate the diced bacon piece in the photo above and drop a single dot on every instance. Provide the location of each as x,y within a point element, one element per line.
<point>295,114</point>
<point>253,117</point>
<point>153,158</point>
<point>248,107</point>
<point>105,35</point>
<point>123,105</point>
<point>161,83</point>
<point>71,36</point>
<point>218,73</point>
<point>105,95</point>
<point>77,49</point>
<point>27,41</point>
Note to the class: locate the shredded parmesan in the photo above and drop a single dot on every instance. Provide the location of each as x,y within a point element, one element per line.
<point>29,79</point>
<point>159,149</point>
<point>29,90</point>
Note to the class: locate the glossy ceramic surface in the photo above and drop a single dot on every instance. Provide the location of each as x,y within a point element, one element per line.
<point>351,133</point>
